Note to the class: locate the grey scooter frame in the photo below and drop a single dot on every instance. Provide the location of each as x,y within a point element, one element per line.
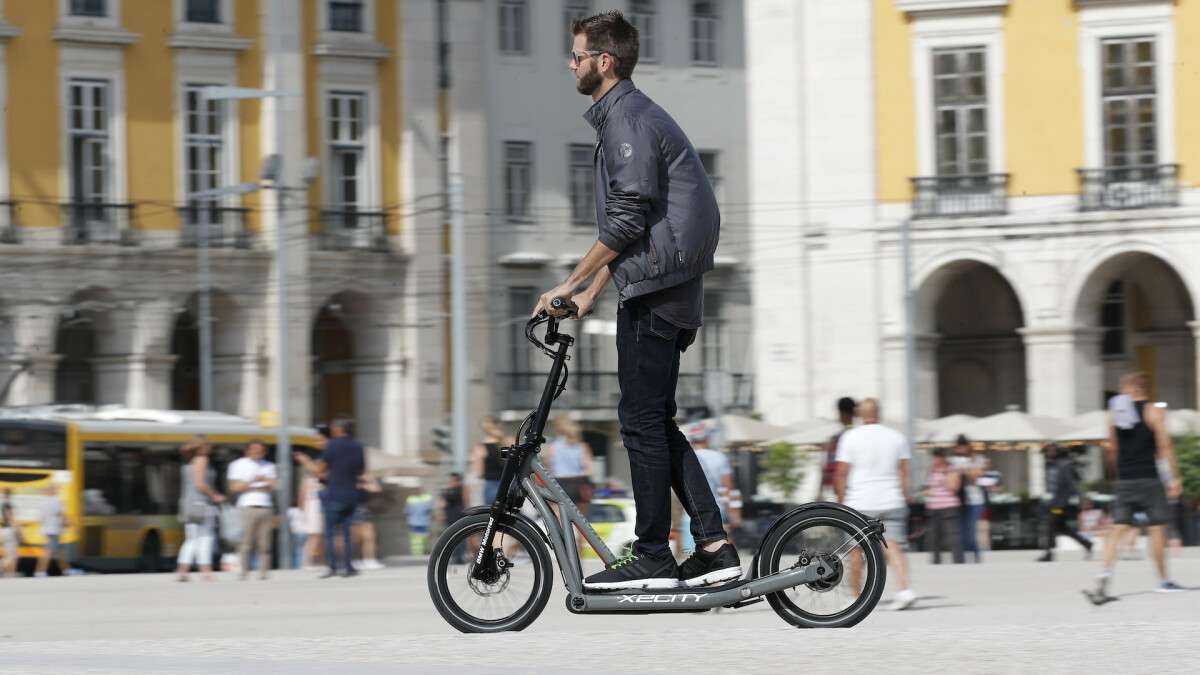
<point>561,534</point>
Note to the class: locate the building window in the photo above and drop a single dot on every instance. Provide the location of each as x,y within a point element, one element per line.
<point>203,150</point>
<point>347,150</point>
<point>572,11</point>
<point>643,14</point>
<point>581,186</point>
<point>346,16</point>
<point>89,8</point>
<point>1112,320</point>
<point>1130,119</point>
<point>960,107</point>
<point>711,160</point>
<point>521,300</point>
<point>89,132</point>
<point>706,26</point>
<point>203,11</point>
<point>518,179</point>
<point>514,22</point>
<point>712,335</point>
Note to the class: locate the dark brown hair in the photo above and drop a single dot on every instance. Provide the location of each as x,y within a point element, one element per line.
<point>611,33</point>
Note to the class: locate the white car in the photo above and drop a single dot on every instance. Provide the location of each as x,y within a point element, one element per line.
<point>613,519</point>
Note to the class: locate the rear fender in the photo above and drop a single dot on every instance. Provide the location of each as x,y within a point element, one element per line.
<point>873,528</point>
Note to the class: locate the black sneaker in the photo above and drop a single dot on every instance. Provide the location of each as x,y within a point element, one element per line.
<point>705,568</point>
<point>636,571</point>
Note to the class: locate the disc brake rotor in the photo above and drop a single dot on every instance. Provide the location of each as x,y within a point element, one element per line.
<point>497,580</point>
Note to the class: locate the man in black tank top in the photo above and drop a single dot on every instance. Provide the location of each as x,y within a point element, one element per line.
<point>1137,439</point>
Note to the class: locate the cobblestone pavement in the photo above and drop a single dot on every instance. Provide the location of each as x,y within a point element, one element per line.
<point>1007,615</point>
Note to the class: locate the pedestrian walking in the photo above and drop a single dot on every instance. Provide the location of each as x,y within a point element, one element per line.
<point>845,410</point>
<point>54,524</point>
<point>253,478</point>
<point>1062,487</point>
<point>872,477</point>
<point>362,527</point>
<point>312,520</point>
<point>1137,438</point>
<point>942,509</point>
<point>10,535</point>
<point>198,502</point>
<point>569,459</point>
<point>970,466</point>
<point>719,474</point>
<point>486,465</point>
<point>451,499</point>
<point>658,230</point>
<point>340,467</point>
<point>418,512</point>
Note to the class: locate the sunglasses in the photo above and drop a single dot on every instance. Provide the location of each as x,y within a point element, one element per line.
<point>578,57</point>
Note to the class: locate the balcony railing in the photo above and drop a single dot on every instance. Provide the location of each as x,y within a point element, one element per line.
<point>1129,187</point>
<point>343,230</point>
<point>98,223</point>
<point>960,196</point>
<point>224,226</point>
<point>593,390</point>
<point>9,234</point>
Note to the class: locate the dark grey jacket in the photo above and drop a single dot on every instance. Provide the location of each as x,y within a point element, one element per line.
<point>654,204</point>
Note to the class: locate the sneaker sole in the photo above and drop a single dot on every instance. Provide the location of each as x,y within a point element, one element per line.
<point>1097,599</point>
<point>656,584</point>
<point>1168,590</point>
<point>716,577</point>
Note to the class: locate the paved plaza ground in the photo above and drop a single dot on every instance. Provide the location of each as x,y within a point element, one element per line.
<point>1009,615</point>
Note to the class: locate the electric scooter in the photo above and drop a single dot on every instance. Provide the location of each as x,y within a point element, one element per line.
<point>820,565</point>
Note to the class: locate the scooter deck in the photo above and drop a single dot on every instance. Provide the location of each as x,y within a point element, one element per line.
<point>699,590</point>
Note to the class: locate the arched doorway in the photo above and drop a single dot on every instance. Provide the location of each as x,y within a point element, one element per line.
<point>1142,308</point>
<point>333,356</point>
<point>84,333</point>
<point>185,373</point>
<point>972,315</point>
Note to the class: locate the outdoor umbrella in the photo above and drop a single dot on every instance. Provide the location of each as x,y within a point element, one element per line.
<point>1007,428</point>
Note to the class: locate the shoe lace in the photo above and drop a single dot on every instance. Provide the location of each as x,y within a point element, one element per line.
<point>624,560</point>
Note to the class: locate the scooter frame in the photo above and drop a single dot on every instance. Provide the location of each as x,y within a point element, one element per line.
<point>517,483</point>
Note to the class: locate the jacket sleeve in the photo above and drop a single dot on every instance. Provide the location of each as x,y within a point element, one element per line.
<point>631,153</point>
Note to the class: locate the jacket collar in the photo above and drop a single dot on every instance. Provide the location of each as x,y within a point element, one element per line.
<point>596,114</point>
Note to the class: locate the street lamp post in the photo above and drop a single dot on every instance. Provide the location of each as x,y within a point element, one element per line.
<point>272,177</point>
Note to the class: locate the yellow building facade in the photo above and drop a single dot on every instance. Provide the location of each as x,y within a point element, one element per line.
<point>113,124</point>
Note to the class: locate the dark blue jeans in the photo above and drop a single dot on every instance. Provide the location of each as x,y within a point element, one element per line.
<point>660,457</point>
<point>337,514</point>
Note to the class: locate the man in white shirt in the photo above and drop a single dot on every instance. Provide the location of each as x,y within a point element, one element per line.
<point>253,479</point>
<point>872,478</point>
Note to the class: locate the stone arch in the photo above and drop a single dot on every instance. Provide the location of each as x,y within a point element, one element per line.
<point>1141,305</point>
<point>88,329</point>
<point>230,339</point>
<point>968,317</point>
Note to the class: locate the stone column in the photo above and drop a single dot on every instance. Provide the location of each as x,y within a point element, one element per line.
<point>238,384</point>
<point>134,380</point>
<point>379,403</point>
<point>31,361</point>
<point>1063,369</point>
<point>895,395</point>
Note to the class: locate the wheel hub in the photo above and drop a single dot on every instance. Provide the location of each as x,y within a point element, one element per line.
<point>492,579</point>
<point>833,567</point>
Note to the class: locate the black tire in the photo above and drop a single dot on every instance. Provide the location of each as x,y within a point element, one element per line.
<point>443,586</point>
<point>782,548</point>
<point>150,559</point>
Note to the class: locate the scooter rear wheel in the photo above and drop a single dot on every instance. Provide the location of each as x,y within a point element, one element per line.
<point>509,599</point>
<point>836,540</point>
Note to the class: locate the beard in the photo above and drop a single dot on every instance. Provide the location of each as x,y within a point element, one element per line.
<point>588,82</point>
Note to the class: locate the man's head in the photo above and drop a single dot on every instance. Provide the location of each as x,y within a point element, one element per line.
<point>341,427</point>
<point>938,456</point>
<point>1136,385</point>
<point>868,410</point>
<point>604,51</point>
<point>845,407</point>
<point>256,450</point>
<point>454,479</point>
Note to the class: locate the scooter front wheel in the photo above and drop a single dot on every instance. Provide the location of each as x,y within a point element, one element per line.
<point>510,596</point>
<point>838,542</point>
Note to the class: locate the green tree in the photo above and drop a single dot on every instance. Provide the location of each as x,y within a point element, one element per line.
<point>1187,449</point>
<point>783,468</point>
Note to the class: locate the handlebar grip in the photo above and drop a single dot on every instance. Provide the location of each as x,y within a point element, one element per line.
<point>564,304</point>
